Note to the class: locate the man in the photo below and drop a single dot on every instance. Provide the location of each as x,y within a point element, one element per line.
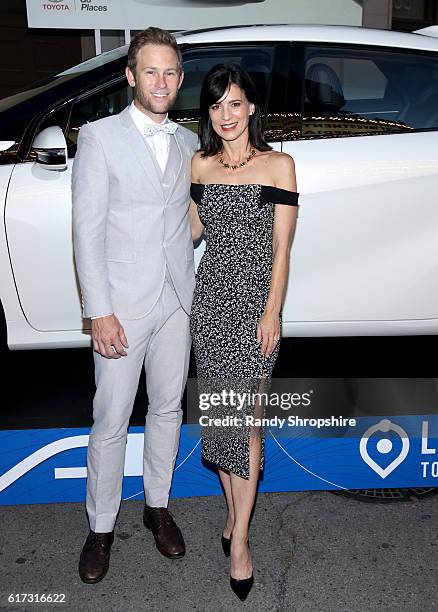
<point>134,258</point>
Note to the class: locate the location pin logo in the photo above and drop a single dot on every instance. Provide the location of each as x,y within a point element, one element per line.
<point>384,446</point>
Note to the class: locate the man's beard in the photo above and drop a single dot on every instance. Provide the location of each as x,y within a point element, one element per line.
<point>147,103</point>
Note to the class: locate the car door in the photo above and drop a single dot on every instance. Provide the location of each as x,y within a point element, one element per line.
<point>38,218</point>
<point>365,253</point>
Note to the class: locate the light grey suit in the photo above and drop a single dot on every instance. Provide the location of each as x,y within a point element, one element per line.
<point>134,257</point>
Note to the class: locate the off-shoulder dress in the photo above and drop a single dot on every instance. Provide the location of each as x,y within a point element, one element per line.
<point>232,286</point>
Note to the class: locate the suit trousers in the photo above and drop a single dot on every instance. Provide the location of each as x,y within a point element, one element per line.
<point>161,342</point>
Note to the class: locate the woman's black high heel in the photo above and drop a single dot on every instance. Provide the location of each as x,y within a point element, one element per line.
<point>226,545</point>
<point>242,587</point>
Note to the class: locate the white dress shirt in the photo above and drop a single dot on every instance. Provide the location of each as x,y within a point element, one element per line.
<point>159,144</point>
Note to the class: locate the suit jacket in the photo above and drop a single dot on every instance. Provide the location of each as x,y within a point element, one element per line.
<point>128,223</point>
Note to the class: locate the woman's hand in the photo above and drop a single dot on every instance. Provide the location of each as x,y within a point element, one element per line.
<point>268,333</point>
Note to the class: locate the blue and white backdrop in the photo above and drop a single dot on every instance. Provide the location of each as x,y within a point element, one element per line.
<point>393,448</point>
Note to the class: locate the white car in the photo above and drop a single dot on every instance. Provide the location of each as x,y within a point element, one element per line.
<point>356,108</point>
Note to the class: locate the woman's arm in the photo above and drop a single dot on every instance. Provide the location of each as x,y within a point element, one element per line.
<point>268,329</point>
<point>196,224</point>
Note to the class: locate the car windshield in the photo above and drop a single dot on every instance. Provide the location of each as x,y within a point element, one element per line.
<point>39,88</point>
<point>63,77</point>
<point>95,62</point>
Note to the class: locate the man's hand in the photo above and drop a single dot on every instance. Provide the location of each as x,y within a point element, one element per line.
<point>109,339</point>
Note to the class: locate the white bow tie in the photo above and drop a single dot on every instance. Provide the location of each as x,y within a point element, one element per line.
<point>168,128</point>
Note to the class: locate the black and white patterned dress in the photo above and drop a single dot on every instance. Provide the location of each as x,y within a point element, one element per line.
<point>232,287</point>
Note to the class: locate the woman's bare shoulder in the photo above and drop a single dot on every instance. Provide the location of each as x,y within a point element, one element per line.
<point>197,159</point>
<point>283,170</point>
<point>284,161</point>
<point>199,166</point>
<point>280,162</point>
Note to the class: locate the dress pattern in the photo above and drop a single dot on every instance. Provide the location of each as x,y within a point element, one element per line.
<point>232,287</point>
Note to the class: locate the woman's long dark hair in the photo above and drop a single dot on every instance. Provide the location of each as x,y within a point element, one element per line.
<point>218,80</point>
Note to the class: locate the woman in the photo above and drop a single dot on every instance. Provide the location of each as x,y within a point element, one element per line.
<point>244,195</point>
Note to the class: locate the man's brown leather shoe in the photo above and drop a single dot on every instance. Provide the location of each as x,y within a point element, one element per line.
<point>168,537</point>
<point>95,556</point>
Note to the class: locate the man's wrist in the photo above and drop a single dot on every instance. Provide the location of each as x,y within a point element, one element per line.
<point>110,314</point>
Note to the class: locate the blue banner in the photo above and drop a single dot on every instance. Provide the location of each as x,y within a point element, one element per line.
<point>49,465</point>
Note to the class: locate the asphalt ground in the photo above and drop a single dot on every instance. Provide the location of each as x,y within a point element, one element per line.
<point>312,551</point>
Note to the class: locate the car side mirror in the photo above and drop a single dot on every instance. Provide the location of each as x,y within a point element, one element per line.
<point>50,148</point>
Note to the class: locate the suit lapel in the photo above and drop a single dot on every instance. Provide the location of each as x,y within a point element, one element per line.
<point>141,151</point>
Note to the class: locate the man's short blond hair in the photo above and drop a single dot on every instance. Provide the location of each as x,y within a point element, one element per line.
<point>152,36</point>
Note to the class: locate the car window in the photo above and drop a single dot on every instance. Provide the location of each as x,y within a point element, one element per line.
<point>352,92</point>
<point>258,61</point>
<point>197,62</point>
<point>105,102</point>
